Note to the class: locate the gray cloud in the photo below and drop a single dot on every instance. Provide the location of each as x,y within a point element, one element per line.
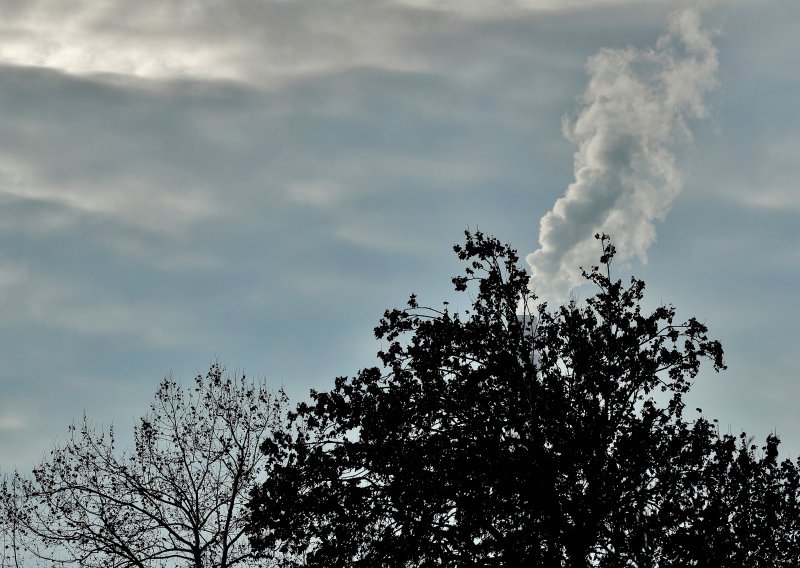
<point>634,111</point>
<point>265,201</point>
<point>265,42</point>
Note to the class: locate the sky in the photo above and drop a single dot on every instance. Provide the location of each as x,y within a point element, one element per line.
<point>256,181</point>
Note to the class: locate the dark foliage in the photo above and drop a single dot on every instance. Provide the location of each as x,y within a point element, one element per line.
<point>555,438</point>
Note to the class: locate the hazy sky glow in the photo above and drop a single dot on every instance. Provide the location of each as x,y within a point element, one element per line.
<point>255,181</point>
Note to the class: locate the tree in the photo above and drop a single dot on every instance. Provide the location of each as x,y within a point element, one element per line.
<point>739,508</point>
<point>176,498</point>
<point>493,438</point>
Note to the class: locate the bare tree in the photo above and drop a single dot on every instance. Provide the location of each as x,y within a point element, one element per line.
<point>177,498</point>
<point>9,527</point>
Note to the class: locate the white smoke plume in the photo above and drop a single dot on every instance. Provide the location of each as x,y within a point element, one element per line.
<point>633,114</point>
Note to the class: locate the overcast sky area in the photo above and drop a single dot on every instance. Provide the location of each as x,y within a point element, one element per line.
<point>255,181</point>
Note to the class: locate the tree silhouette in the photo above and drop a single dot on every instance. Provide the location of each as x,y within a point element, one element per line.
<point>177,498</point>
<point>738,505</point>
<point>516,435</point>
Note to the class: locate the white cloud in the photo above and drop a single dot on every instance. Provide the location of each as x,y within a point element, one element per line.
<point>778,198</point>
<point>84,36</point>
<point>495,7</point>
<point>633,113</point>
<point>775,185</point>
<point>316,193</point>
<point>12,421</point>
<point>129,199</point>
<point>264,42</point>
<point>78,303</point>
<point>372,234</point>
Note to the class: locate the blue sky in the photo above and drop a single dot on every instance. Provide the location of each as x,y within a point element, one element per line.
<point>255,181</point>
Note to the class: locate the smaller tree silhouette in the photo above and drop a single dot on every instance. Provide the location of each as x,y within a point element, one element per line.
<point>176,498</point>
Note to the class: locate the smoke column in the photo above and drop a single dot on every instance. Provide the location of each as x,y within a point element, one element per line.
<point>632,115</point>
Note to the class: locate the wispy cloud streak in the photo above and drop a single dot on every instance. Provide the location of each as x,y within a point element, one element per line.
<point>633,114</point>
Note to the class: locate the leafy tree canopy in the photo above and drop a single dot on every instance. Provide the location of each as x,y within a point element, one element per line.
<point>517,435</point>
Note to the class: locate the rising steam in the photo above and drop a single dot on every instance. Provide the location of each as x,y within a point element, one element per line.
<point>633,113</point>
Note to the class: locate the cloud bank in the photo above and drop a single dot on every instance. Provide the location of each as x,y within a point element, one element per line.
<point>633,115</point>
<point>264,42</point>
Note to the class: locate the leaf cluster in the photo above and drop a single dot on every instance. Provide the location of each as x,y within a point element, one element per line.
<point>517,435</point>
